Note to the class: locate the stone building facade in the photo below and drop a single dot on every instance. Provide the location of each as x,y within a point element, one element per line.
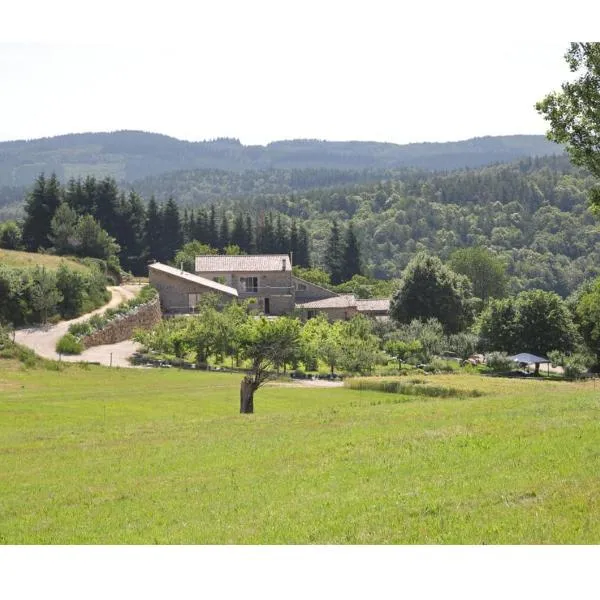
<point>181,291</point>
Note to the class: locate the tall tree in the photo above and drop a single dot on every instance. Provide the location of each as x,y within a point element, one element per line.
<point>351,262</point>
<point>335,255</point>
<point>130,233</point>
<point>106,205</point>
<point>224,237</point>
<point>201,229</point>
<point>154,231</point>
<point>574,112</point>
<point>40,206</point>
<point>249,237</point>
<point>293,247</point>
<point>484,269</point>
<point>212,233</point>
<point>172,238</point>
<point>303,257</point>
<point>238,234</point>
<point>281,238</point>
<point>63,229</point>
<point>428,290</point>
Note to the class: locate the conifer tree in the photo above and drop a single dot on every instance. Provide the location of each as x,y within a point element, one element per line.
<point>40,206</point>
<point>303,257</point>
<point>293,246</point>
<point>351,264</point>
<point>335,255</point>
<point>266,236</point>
<point>249,238</point>
<point>106,205</point>
<point>192,226</point>
<point>212,235</point>
<point>185,226</point>
<point>130,236</point>
<point>154,231</point>
<point>201,229</point>
<point>281,239</point>
<point>223,232</point>
<point>172,237</point>
<point>238,234</point>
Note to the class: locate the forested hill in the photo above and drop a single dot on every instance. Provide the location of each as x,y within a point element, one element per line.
<point>131,155</point>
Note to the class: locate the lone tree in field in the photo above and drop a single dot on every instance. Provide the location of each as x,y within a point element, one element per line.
<point>266,343</point>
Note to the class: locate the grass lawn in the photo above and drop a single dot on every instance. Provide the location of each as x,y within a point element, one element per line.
<point>16,258</point>
<point>93,455</point>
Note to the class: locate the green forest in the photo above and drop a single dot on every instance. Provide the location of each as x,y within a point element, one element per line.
<point>532,214</point>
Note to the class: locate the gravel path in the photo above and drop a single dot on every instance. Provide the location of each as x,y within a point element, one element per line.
<point>42,340</point>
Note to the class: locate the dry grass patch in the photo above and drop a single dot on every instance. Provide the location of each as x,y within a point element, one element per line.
<point>16,258</point>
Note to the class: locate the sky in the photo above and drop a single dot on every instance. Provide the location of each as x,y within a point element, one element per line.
<point>262,70</point>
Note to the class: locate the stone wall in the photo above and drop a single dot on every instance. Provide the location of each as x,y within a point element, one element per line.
<point>122,327</point>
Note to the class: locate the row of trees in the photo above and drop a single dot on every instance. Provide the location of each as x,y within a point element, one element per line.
<point>38,295</point>
<point>534,321</point>
<point>90,217</point>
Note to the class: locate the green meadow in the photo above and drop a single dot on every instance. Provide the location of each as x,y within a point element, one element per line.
<point>90,455</point>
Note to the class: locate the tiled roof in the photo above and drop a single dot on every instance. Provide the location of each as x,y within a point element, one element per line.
<point>347,301</point>
<point>266,262</point>
<point>373,305</point>
<point>344,301</point>
<point>218,287</point>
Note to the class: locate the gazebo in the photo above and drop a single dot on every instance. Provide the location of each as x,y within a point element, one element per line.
<point>531,359</point>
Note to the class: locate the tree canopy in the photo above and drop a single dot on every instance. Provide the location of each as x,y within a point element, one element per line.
<point>429,289</point>
<point>574,112</point>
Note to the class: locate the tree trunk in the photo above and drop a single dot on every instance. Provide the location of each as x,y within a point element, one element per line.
<point>247,389</point>
<point>537,369</point>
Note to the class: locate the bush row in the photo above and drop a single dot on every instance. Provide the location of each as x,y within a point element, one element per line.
<point>39,295</point>
<point>98,322</point>
<point>416,388</point>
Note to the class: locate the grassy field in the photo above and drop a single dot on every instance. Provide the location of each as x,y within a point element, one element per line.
<point>92,455</point>
<point>16,258</point>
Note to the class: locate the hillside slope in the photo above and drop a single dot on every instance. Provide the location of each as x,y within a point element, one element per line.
<point>16,258</point>
<point>131,155</point>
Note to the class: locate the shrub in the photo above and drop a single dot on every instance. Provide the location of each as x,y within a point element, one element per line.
<point>499,362</point>
<point>395,386</point>
<point>69,344</point>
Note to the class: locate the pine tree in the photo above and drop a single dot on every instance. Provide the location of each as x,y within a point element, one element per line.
<point>351,264</point>
<point>303,257</point>
<point>185,226</point>
<point>249,238</point>
<point>154,231</point>
<point>192,226</point>
<point>238,235</point>
<point>223,232</point>
<point>106,205</point>
<point>212,235</point>
<point>201,229</point>
<point>266,237</point>
<point>172,237</point>
<point>293,247</point>
<point>132,218</point>
<point>281,239</point>
<point>334,257</point>
<point>40,206</point>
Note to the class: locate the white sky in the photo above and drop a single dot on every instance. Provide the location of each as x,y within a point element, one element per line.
<point>264,70</point>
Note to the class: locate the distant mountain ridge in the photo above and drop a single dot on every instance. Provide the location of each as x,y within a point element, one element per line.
<point>131,155</point>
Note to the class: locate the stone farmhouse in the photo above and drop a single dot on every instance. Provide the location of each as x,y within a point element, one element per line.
<point>266,278</point>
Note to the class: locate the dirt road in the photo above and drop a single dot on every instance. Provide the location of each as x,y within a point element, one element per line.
<point>42,340</point>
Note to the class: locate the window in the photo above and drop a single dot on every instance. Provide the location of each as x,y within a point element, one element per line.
<point>193,299</point>
<point>249,284</point>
